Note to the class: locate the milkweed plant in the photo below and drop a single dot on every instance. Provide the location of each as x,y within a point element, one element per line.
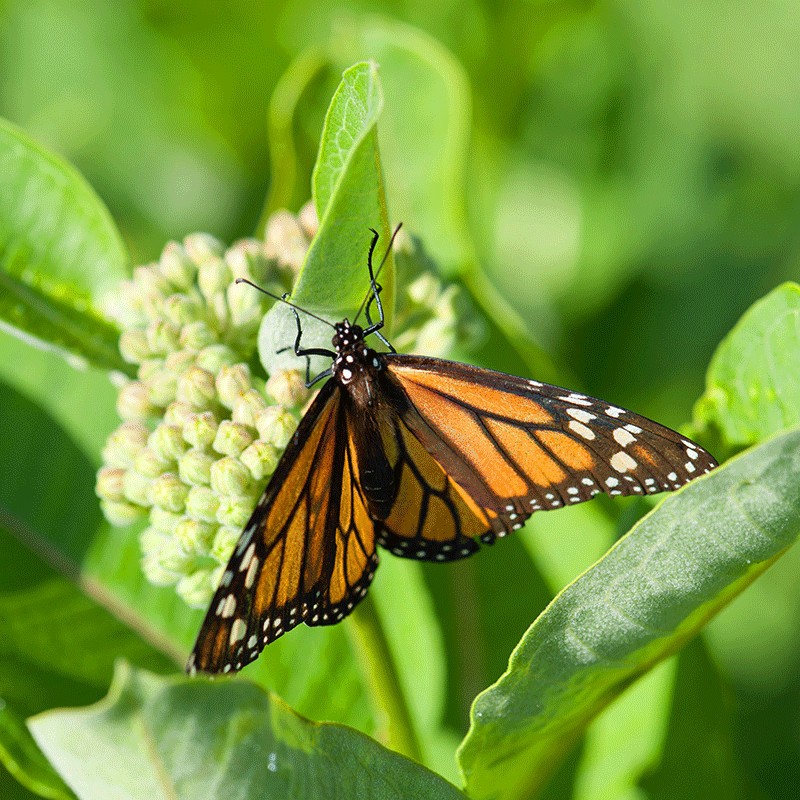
<point>202,420</point>
<point>202,428</point>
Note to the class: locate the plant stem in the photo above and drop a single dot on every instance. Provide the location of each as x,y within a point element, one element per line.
<point>392,716</point>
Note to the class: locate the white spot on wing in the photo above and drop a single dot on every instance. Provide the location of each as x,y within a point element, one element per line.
<point>622,462</point>
<point>238,630</point>
<point>623,437</point>
<point>581,429</point>
<point>580,415</point>
<point>229,606</point>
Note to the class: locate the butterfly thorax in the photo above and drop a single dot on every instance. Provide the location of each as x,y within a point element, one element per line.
<point>355,365</point>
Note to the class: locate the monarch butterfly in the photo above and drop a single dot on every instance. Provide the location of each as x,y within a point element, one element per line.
<point>423,457</point>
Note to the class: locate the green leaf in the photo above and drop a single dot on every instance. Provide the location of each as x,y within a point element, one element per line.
<point>59,253</point>
<point>23,759</point>
<point>649,595</point>
<point>57,647</point>
<point>701,712</point>
<point>753,381</point>
<point>350,199</point>
<point>188,738</point>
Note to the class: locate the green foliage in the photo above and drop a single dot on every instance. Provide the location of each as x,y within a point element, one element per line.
<point>642,601</point>
<point>753,384</point>
<point>628,192</point>
<point>59,253</point>
<point>230,739</point>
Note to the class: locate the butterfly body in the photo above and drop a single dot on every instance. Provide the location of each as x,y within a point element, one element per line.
<point>425,458</point>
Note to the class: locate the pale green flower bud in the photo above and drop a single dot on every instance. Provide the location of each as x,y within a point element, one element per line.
<point>134,403</point>
<point>309,222</point>
<point>133,345</point>
<point>424,291</point>
<point>179,361</point>
<point>200,430</point>
<point>150,367</point>
<point>276,426</point>
<point>121,514</point>
<point>214,277</point>
<point>248,407</point>
<point>172,557</point>
<point>195,536</point>
<point>167,442</point>
<point>224,543</point>
<point>163,520</point>
<point>260,458</point>
<point>201,247</point>
<point>150,463</point>
<point>235,511</point>
<point>124,444</point>
<point>232,438</point>
<point>195,467</point>
<point>246,259</point>
<point>149,280</point>
<point>156,573</point>
<point>163,385</point>
<point>230,477</point>
<point>445,305</point>
<point>214,357</point>
<point>162,337</point>
<point>436,337</point>
<point>287,387</point>
<point>137,488</point>
<point>181,309</point>
<point>231,382</point>
<point>197,335</point>
<point>178,413</point>
<point>176,266</point>
<point>202,503</point>
<point>169,492</point>
<point>196,387</point>
<point>198,588</point>
<point>110,484</point>
<point>285,240</point>
<point>245,304</point>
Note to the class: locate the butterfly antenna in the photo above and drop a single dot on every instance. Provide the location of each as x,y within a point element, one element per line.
<point>284,300</point>
<point>374,277</point>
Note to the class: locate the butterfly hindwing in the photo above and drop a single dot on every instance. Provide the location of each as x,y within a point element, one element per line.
<point>293,562</point>
<point>517,446</point>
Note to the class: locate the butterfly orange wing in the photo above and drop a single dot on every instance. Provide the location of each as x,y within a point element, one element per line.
<point>307,554</point>
<point>509,446</point>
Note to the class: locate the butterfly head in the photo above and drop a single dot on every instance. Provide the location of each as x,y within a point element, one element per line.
<point>355,364</point>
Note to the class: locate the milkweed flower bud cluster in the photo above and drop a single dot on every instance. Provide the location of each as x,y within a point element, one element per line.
<point>203,426</point>
<point>433,317</point>
<point>201,433</point>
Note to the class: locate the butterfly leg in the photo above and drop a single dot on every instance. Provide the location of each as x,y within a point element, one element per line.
<point>306,352</point>
<point>374,327</point>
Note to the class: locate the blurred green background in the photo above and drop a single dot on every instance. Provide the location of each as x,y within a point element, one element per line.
<point>632,185</point>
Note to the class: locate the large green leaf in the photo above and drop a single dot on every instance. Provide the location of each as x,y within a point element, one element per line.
<point>651,593</point>
<point>753,381</point>
<point>59,253</point>
<point>350,199</point>
<point>22,758</point>
<point>155,737</point>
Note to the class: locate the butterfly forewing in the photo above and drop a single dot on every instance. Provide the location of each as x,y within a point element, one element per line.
<point>287,567</point>
<point>517,446</point>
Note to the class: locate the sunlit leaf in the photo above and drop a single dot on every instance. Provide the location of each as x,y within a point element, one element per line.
<point>753,381</point>
<point>59,253</point>
<point>200,738</point>
<point>652,592</point>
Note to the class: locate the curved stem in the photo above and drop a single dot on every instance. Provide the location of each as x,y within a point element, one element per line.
<point>392,716</point>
